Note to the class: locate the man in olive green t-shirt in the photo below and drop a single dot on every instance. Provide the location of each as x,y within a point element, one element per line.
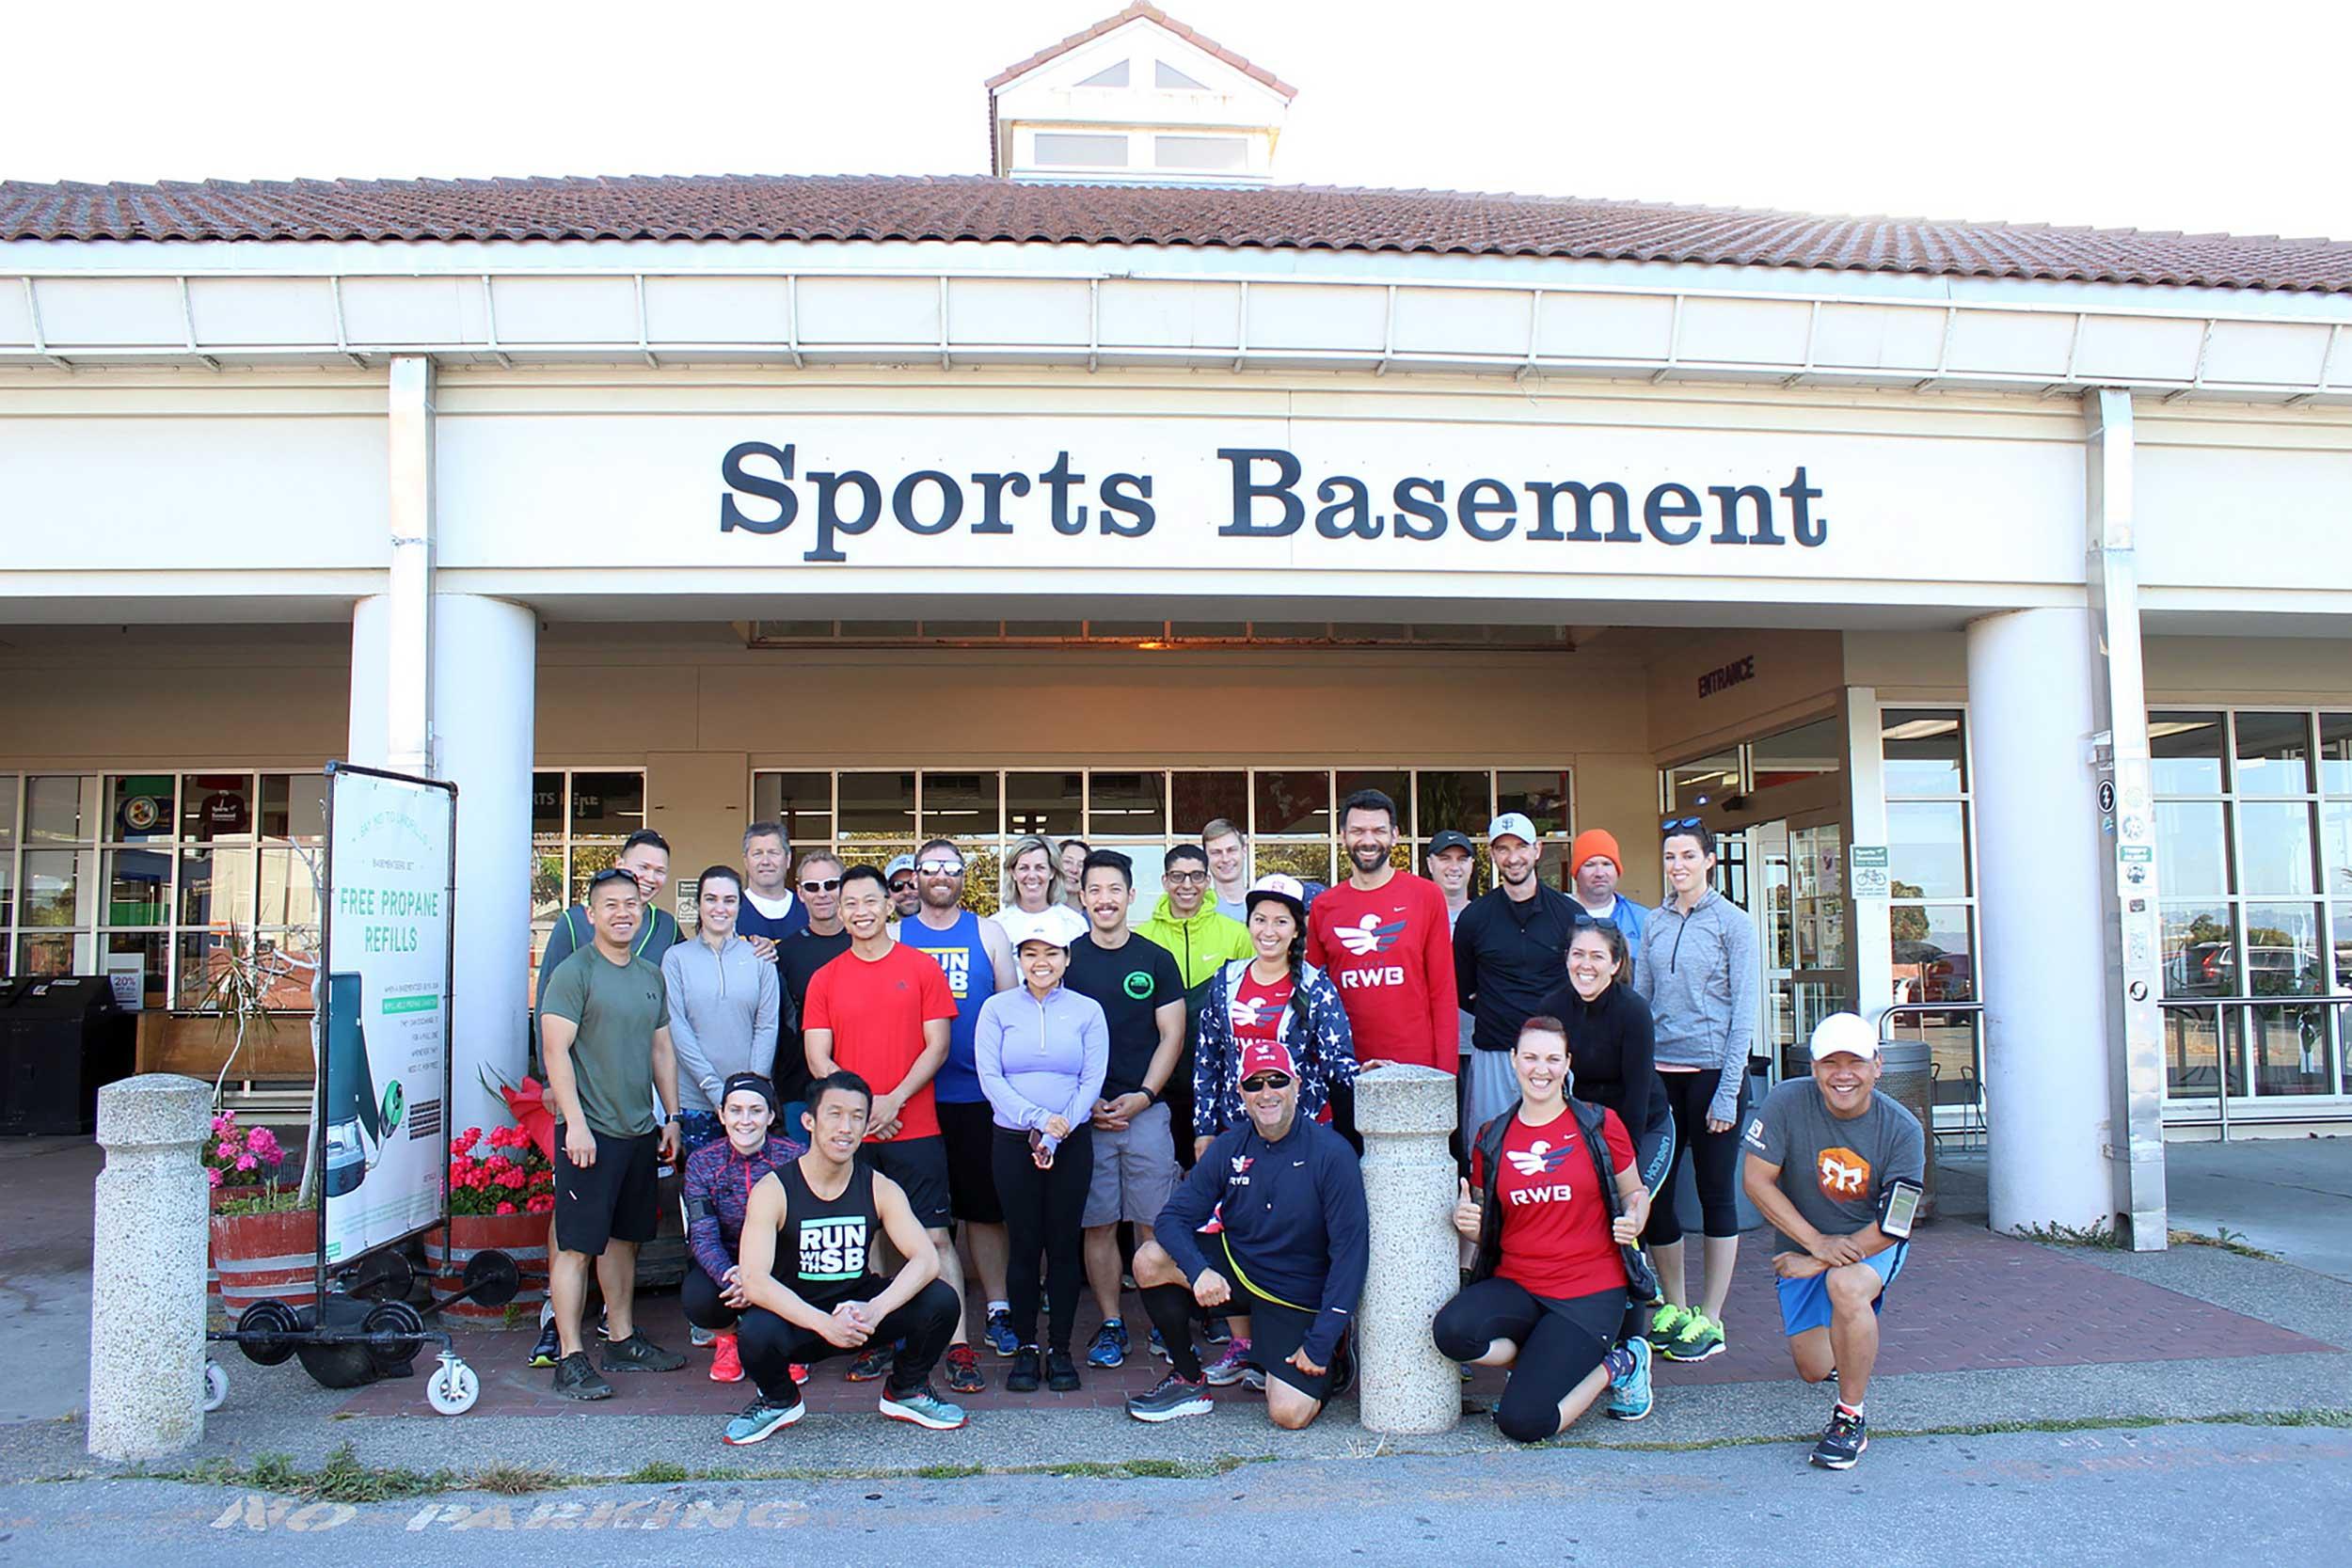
<point>604,1028</point>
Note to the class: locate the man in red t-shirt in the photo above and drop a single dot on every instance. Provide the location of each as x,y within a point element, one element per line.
<point>883,1010</point>
<point>1384,938</point>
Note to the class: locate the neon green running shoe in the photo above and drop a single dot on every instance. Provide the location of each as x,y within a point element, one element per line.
<point>1665,1327</point>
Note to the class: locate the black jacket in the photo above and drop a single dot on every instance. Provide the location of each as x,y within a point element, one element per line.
<point>1641,1284</point>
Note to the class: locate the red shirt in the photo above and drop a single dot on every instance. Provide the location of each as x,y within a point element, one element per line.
<point>876,1009</point>
<point>1391,954</point>
<point>1556,1224</point>
<point>1256,1010</point>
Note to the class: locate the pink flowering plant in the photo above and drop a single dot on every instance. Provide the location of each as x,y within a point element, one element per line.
<point>238,1156</point>
<point>499,1172</point>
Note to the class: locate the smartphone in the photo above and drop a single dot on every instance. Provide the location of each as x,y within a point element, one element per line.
<point>1900,1208</point>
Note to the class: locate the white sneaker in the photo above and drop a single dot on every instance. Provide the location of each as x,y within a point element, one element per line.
<point>702,1338</point>
<point>1231,1367</point>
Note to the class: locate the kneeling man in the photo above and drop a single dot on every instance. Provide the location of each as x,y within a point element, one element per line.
<point>1271,1222</point>
<point>1835,1168</point>
<point>803,1286</point>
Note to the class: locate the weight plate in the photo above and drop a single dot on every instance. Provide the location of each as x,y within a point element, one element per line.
<point>268,1319</point>
<point>491,1278</point>
<point>383,1275</point>
<point>393,1317</point>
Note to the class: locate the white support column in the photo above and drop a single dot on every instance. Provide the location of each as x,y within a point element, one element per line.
<point>409,671</point>
<point>2039,854</point>
<point>483,659</point>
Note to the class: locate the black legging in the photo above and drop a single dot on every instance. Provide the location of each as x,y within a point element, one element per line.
<point>1560,1341</point>
<point>698,1293</point>
<point>1714,1160</point>
<point>1043,1211</point>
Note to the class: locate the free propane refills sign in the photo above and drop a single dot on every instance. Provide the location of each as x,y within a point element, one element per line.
<point>384,1141</point>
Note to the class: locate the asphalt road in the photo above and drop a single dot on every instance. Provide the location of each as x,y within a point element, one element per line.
<point>2195,1494</point>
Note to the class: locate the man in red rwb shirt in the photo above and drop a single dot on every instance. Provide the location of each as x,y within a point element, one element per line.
<point>1384,938</point>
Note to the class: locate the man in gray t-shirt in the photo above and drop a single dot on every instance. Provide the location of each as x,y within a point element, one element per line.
<point>1822,1154</point>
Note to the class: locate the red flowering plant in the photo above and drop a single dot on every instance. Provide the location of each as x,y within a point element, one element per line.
<point>238,1156</point>
<point>499,1172</point>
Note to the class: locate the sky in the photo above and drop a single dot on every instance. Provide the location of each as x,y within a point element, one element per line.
<point>2149,116</point>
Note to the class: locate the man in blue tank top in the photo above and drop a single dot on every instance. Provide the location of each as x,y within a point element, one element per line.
<point>804,1286</point>
<point>977,961</point>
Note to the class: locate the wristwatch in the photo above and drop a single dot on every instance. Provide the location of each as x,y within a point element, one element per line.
<point>1150,1095</point>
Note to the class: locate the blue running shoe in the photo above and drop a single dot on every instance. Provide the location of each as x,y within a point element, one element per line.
<point>1631,1396</point>
<point>1001,1338</point>
<point>1110,1345</point>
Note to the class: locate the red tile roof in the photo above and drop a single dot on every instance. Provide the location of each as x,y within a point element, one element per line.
<point>1144,10</point>
<point>1298,217</point>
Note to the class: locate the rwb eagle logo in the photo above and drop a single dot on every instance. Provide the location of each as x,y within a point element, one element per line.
<point>1542,1160</point>
<point>1369,935</point>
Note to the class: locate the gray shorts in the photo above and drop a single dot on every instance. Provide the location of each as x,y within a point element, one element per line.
<point>1490,1089</point>
<point>1135,1171</point>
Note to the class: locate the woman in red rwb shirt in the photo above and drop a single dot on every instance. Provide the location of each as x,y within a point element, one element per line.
<point>1548,1294</point>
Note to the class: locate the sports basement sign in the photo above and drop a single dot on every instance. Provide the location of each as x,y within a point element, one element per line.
<point>1264,493</point>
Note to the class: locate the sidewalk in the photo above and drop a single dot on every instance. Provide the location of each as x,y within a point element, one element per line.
<point>1981,1330</point>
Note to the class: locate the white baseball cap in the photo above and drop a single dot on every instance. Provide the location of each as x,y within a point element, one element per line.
<point>1844,1034</point>
<point>1512,824</point>
<point>1057,924</point>
<point>1276,885</point>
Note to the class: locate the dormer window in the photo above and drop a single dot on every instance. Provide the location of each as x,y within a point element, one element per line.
<point>1110,76</point>
<point>1166,75</point>
<point>1201,155</point>
<point>1068,150</point>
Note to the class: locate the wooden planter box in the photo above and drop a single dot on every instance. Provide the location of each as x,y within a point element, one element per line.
<point>211,1257</point>
<point>266,1255</point>
<point>522,1237</point>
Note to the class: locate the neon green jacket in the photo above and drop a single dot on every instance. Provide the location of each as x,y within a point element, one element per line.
<point>1199,945</point>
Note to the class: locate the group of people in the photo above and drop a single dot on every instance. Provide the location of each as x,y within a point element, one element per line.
<point>853,1067</point>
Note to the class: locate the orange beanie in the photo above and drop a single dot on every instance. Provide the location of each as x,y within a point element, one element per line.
<point>1591,842</point>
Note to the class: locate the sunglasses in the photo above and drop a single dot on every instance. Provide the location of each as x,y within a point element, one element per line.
<point>941,868</point>
<point>1675,824</point>
<point>825,886</point>
<point>612,874</point>
<point>1259,1083</point>
<point>903,884</point>
<point>1594,921</point>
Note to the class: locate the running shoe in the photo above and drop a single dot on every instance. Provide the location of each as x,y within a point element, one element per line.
<point>638,1354</point>
<point>1842,1441</point>
<point>699,1336</point>
<point>1061,1373</point>
<point>1342,1368</point>
<point>1227,1369</point>
<point>1001,1338</point>
<point>1215,1331</point>
<point>576,1378</point>
<point>875,1362</point>
<point>550,1350</point>
<point>1110,1345</point>
<point>1170,1398</point>
<point>1253,1379</point>
<point>1631,1396</point>
<point>1701,1338</point>
<point>800,1373</point>
<point>1665,1326</point>
<point>923,1407</point>
<point>1158,1345</point>
<point>760,1421</point>
<point>963,1373</point>
<point>726,1360</point>
<point>1027,1370</point>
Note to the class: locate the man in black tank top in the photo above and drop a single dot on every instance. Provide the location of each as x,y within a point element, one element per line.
<point>806,1290</point>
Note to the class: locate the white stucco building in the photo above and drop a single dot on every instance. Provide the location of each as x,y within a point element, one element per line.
<point>1991,588</point>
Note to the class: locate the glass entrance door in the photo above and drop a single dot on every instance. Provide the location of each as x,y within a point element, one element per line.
<point>1800,917</point>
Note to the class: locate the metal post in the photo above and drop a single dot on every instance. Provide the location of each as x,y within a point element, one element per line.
<point>2131,881</point>
<point>147,1269</point>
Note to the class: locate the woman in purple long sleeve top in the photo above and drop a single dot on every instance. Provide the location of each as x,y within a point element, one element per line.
<point>1041,1050</point>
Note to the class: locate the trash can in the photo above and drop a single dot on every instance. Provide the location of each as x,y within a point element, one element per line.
<point>1904,1075</point>
<point>61,1036</point>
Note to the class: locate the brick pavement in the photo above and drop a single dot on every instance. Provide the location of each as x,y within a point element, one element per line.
<point>1967,1299</point>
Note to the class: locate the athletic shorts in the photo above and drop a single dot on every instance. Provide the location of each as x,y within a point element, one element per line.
<point>1804,1302</point>
<point>1135,1171</point>
<point>968,1130</point>
<point>1275,1329</point>
<point>616,1199</point>
<point>919,1165</point>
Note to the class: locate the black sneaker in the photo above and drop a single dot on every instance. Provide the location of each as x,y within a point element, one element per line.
<point>1841,1443</point>
<point>638,1354</point>
<point>1170,1398</point>
<point>550,1350</point>
<point>1023,1379</point>
<point>1061,1373</point>
<point>1215,1331</point>
<point>577,1379</point>
<point>874,1362</point>
<point>1343,1369</point>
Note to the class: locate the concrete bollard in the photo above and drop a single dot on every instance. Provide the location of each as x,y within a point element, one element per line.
<point>1405,1113</point>
<point>147,1269</point>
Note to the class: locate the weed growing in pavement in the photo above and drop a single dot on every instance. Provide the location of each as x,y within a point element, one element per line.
<point>343,1479</point>
<point>2100,1235</point>
<point>657,1472</point>
<point>514,1480</point>
<point>2225,1239</point>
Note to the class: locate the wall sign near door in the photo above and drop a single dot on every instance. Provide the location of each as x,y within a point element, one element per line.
<point>1870,878</point>
<point>1724,677</point>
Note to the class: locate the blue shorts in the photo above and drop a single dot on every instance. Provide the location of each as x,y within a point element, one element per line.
<point>1804,1302</point>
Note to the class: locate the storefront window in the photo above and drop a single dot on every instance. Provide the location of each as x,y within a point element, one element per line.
<point>579,819</point>
<point>2256,857</point>
<point>1933,910</point>
<point>1802,753</point>
<point>1920,752</point>
<point>1702,782</point>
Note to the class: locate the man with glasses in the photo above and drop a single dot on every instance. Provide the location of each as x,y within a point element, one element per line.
<point>799,957</point>
<point>1383,938</point>
<point>604,1024</point>
<point>977,960</point>
<point>645,858</point>
<point>905,897</point>
<point>1510,947</point>
<point>882,1011</point>
<point>769,912</point>
<point>1201,941</point>
<point>1273,1223</point>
